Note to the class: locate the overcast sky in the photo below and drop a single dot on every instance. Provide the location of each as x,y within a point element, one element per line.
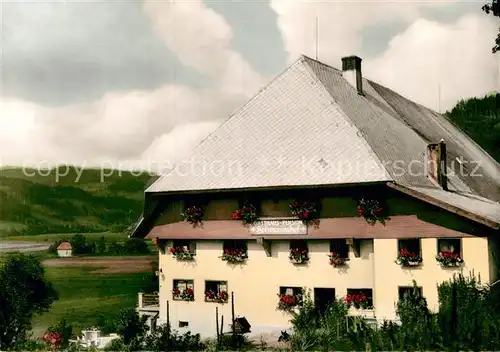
<point>115,83</point>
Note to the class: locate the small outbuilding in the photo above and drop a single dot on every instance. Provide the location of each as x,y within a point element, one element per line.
<point>64,249</point>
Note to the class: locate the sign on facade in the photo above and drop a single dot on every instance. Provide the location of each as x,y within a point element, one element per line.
<point>278,227</point>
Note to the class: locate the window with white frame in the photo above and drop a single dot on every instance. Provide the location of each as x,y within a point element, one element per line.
<point>216,291</point>
<point>183,290</point>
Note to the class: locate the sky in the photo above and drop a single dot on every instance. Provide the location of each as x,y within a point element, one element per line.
<point>137,84</point>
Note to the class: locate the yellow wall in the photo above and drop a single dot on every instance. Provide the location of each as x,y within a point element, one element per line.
<point>256,283</point>
<point>389,276</point>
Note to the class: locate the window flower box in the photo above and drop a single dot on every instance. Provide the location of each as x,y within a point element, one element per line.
<point>299,256</point>
<point>184,295</point>
<point>234,255</point>
<point>181,253</point>
<point>220,297</point>
<point>372,210</point>
<point>193,215</point>
<point>357,300</point>
<point>449,258</point>
<point>408,259</point>
<point>336,260</point>
<point>287,302</point>
<point>305,211</point>
<point>248,214</point>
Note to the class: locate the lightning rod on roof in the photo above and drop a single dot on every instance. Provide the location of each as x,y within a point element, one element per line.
<point>439,97</point>
<point>316,37</point>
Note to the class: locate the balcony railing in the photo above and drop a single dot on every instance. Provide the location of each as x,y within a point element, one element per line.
<point>148,301</point>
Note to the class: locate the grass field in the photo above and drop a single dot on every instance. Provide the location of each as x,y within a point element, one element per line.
<point>94,287</point>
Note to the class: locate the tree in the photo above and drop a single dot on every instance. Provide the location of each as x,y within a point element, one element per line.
<point>24,291</point>
<point>79,244</point>
<point>494,9</point>
<point>479,118</point>
<point>129,326</point>
<point>135,246</point>
<point>101,245</point>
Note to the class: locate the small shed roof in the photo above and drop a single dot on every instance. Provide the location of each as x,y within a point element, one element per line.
<point>64,246</point>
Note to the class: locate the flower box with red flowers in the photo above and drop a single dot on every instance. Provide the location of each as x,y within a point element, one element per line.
<point>234,255</point>
<point>181,253</point>
<point>212,296</point>
<point>449,258</point>
<point>371,210</point>
<point>53,339</point>
<point>357,300</point>
<point>299,256</point>
<point>287,302</point>
<point>248,214</point>
<point>407,258</point>
<point>305,211</point>
<point>337,260</point>
<point>184,295</point>
<point>193,214</point>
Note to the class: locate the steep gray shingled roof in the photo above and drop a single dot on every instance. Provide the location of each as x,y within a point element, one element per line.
<point>310,127</point>
<point>290,134</point>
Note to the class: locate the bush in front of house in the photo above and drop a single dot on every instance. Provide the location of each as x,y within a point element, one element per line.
<point>164,339</point>
<point>468,319</point>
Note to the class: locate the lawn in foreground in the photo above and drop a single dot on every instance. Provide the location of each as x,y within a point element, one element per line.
<point>84,296</point>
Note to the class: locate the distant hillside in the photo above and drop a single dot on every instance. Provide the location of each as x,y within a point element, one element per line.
<point>480,119</point>
<point>34,203</point>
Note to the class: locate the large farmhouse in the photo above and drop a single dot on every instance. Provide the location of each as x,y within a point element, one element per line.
<point>324,183</point>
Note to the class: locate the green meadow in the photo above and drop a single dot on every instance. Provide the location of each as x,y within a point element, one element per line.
<point>85,296</point>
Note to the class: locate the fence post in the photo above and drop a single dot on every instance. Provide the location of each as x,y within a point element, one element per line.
<point>232,319</point>
<point>140,300</point>
<point>217,324</point>
<point>168,323</point>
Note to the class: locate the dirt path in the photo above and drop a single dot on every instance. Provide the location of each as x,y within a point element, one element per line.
<point>110,265</point>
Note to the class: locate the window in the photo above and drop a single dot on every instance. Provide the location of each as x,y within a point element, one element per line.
<point>340,247</point>
<point>291,291</point>
<point>216,291</point>
<point>408,290</point>
<point>183,290</point>
<point>295,292</point>
<point>189,245</point>
<point>412,245</point>
<point>359,298</point>
<point>453,245</point>
<point>235,244</point>
<point>183,324</point>
<point>298,244</point>
<point>299,253</point>
<point>409,253</point>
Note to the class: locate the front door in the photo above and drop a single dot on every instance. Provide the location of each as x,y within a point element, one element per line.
<point>322,299</point>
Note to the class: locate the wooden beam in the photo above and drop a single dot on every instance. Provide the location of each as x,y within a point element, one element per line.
<point>265,244</point>
<point>445,206</point>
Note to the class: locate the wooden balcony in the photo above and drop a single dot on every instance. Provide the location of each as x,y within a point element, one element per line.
<point>148,302</point>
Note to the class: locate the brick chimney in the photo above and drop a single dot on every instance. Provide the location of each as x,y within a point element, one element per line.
<point>351,71</point>
<point>436,163</point>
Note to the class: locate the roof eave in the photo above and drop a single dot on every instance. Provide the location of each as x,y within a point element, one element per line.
<point>451,208</point>
<point>269,188</point>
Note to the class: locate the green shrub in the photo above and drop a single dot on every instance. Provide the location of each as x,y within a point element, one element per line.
<point>163,339</point>
<point>135,246</point>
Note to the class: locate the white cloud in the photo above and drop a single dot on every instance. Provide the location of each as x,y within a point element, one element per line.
<point>201,38</point>
<point>128,127</point>
<point>426,54</point>
<point>339,24</point>
<point>453,57</point>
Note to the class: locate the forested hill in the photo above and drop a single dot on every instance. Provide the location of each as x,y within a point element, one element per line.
<point>480,119</point>
<point>33,202</point>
